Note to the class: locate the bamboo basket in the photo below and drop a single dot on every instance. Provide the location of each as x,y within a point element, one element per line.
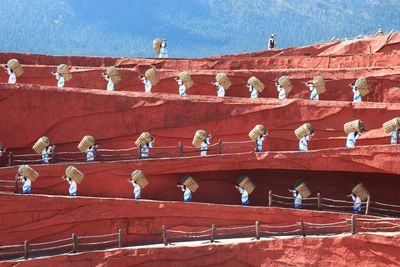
<point>256,83</point>
<point>112,72</point>
<point>303,130</point>
<point>152,76</point>
<point>86,142</point>
<point>354,126</point>
<point>15,66</point>
<point>187,79</point>
<point>74,174</point>
<point>246,183</point>
<point>143,139</point>
<point>199,138</point>
<point>64,71</point>
<point>257,131</point>
<point>139,178</point>
<point>223,80</point>
<point>362,85</point>
<point>303,190</point>
<point>391,125</point>
<point>157,45</point>
<point>190,183</point>
<point>360,191</point>
<point>319,84</point>
<point>28,172</point>
<point>41,144</point>
<point>285,82</point>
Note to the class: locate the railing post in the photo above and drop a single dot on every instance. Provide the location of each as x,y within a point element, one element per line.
<point>74,239</point>
<point>119,238</point>
<point>367,207</point>
<point>319,201</point>
<point>26,249</point>
<point>10,159</point>
<point>164,235</point>
<point>139,151</point>
<point>212,233</point>
<point>180,149</point>
<point>219,146</point>
<point>270,198</point>
<point>257,225</point>
<point>353,225</point>
<point>302,228</point>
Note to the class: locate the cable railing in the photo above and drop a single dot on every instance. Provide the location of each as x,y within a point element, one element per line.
<point>71,244</point>
<point>133,153</point>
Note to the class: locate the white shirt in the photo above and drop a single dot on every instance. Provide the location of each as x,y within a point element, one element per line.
<point>147,86</point>
<point>187,194</point>
<point>245,195</point>
<point>394,137</point>
<point>357,201</point>
<point>351,140</point>
<point>145,150</point>
<point>163,51</point>
<point>45,154</point>
<point>90,154</point>
<point>303,146</point>
<point>26,188</point>
<point>137,190</point>
<point>110,84</point>
<point>12,78</point>
<point>60,80</point>
<point>282,92</point>
<point>357,95</point>
<point>220,91</point>
<point>259,142</point>
<point>314,94</point>
<point>253,92</point>
<point>298,197</point>
<point>182,89</point>
<point>72,187</point>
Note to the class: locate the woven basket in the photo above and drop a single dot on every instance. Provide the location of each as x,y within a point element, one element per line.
<point>157,45</point>
<point>256,83</point>
<point>303,130</point>
<point>74,174</point>
<point>285,82</point>
<point>257,131</point>
<point>139,178</point>
<point>223,80</point>
<point>187,79</point>
<point>199,138</point>
<point>28,172</point>
<point>362,85</point>
<point>152,76</point>
<point>246,183</point>
<point>86,142</point>
<point>64,71</point>
<point>15,66</point>
<point>319,84</point>
<point>391,125</point>
<point>303,190</point>
<point>112,72</point>
<point>360,191</point>
<point>41,144</point>
<point>190,183</point>
<point>354,126</point>
<point>143,139</point>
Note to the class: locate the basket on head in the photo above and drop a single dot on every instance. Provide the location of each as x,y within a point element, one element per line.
<point>64,71</point>
<point>303,130</point>
<point>246,184</point>
<point>15,66</point>
<point>74,174</point>
<point>362,85</point>
<point>112,72</point>
<point>199,138</point>
<point>157,45</point>
<point>302,188</point>
<point>391,125</point>
<point>257,131</point>
<point>138,177</point>
<point>187,79</point>
<point>285,82</point>
<point>28,172</point>
<point>152,76</point>
<point>86,142</point>
<point>360,191</point>
<point>256,83</point>
<point>319,84</point>
<point>41,144</point>
<point>190,183</point>
<point>354,126</point>
<point>143,139</point>
<point>223,80</point>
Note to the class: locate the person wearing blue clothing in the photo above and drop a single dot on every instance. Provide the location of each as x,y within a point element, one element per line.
<point>204,145</point>
<point>60,79</point>
<point>73,187</point>
<point>314,93</point>
<point>244,195</point>
<point>91,153</point>
<point>298,198</point>
<point>281,91</point>
<point>12,78</point>
<point>187,194</point>
<point>163,49</point>
<point>253,91</point>
<point>220,89</point>
<point>137,190</point>
<point>26,187</point>
<point>357,203</point>
<point>351,139</point>
<point>303,145</point>
<point>144,150</point>
<point>147,84</point>
<point>182,87</point>
<point>110,84</point>
<point>259,142</point>
<point>356,93</point>
<point>395,137</point>
<point>46,152</point>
